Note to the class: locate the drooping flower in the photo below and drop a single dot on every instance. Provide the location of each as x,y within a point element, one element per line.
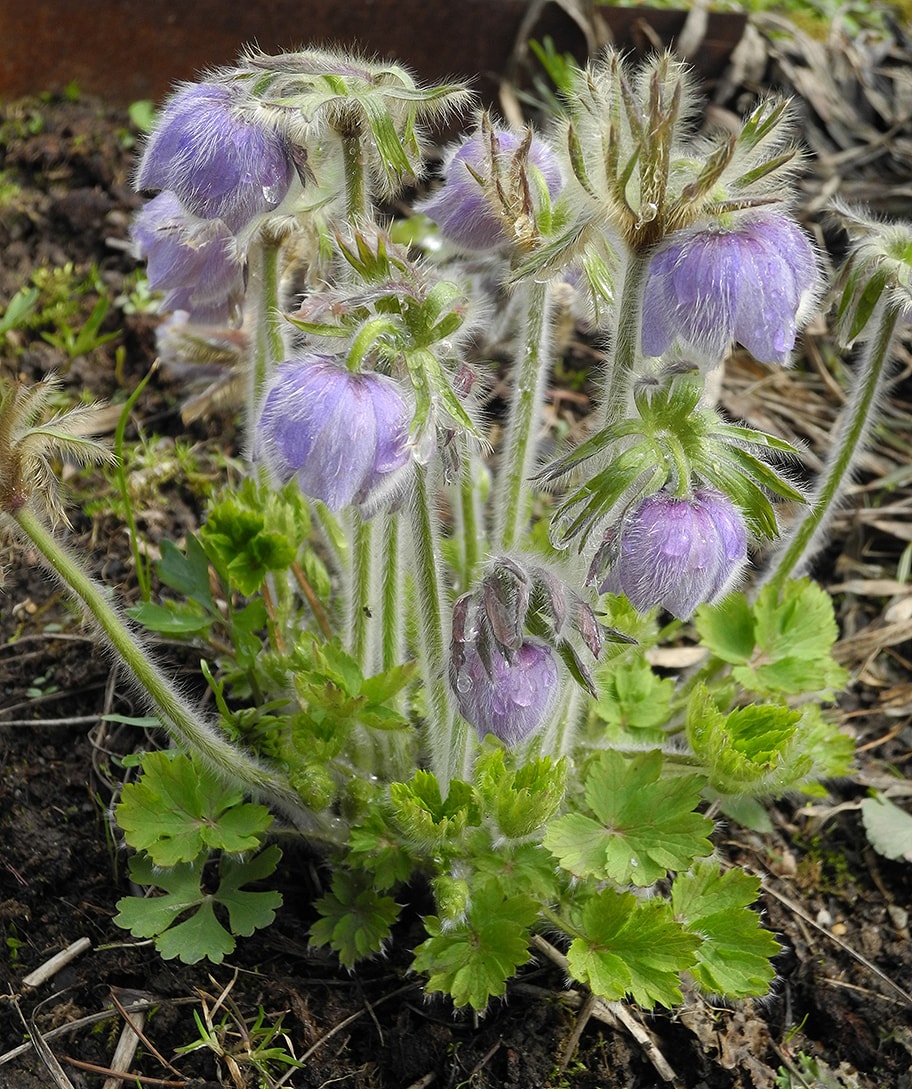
<point>477,214</point>
<point>512,696</point>
<point>755,283</point>
<point>220,163</point>
<point>345,436</point>
<point>193,261</point>
<point>679,553</point>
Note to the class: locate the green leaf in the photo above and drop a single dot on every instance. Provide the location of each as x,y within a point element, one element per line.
<point>521,799</point>
<point>633,700</point>
<point>888,828</point>
<point>375,848</point>
<point>178,810</point>
<point>172,619</point>
<point>426,818</point>
<point>355,920</point>
<point>630,946</point>
<point>473,960</point>
<point>200,935</point>
<point>188,573</point>
<point>792,637</point>
<point>734,956</point>
<point>644,825</point>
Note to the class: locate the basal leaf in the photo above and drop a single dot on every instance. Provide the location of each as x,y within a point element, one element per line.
<point>178,809</point>
<point>889,828</point>
<point>473,961</point>
<point>355,920</point>
<point>645,825</point>
<point>631,946</point>
<point>734,956</point>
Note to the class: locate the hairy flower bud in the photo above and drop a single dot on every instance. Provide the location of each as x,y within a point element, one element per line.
<point>344,436</point>
<point>679,552</point>
<point>221,164</point>
<point>486,186</point>
<point>512,696</point>
<point>754,283</point>
<point>193,261</point>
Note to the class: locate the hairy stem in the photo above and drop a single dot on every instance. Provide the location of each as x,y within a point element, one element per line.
<point>798,548</point>
<point>178,717</point>
<point>511,493</point>
<point>268,347</point>
<point>447,733</point>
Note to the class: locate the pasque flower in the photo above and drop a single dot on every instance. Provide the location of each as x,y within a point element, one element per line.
<point>679,552</point>
<point>512,694</point>
<point>345,436</point>
<point>485,189</point>
<point>193,261</point>
<point>754,282</point>
<point>220,163</point>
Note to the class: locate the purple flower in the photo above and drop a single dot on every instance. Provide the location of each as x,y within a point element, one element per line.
<point>344,436</point>
<point>754,284</point>
<point>511,699</point>
<point>194,261</point>
<point>463,209</point>
<point>679,552</point>
<point>220,164</point>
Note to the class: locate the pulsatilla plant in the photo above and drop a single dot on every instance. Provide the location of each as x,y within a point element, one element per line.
<point>427,641</point>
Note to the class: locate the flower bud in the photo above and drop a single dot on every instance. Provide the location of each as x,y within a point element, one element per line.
<point>486,188</point>
<point>345,436</point>
<point>512,696</point>
<point>221,164</point>
<point>754,283</point>
<point>193,261</point>
<point>679,553</point>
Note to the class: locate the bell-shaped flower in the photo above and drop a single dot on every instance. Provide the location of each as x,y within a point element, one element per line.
<point>755,283</point>
<point>679,552</point>
<point>512,695</point>
<point>221,163</point>
<point>487,194</point>
<point>345,436</point>
<point>193,261</point>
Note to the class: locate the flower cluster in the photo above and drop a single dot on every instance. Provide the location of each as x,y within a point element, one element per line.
<point>217,171</point>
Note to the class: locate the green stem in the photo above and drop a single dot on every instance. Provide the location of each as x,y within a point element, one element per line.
<point>179,718</point>
<point>448,735</point>
<point>140,562</point>
<point>268,347</point>
<point>625,357</point>
<point>803,541</point>
<point>360,592</point>
<point>391,595</point>
<point>511,493</point>
<point>471,519</point>
<point>353,166</point>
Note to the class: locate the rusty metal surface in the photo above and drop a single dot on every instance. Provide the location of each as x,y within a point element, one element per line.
<point>124,50</point>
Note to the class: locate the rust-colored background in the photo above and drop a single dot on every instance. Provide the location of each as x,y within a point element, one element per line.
<point>125,50</point>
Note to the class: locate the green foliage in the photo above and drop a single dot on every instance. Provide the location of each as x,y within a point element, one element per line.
<point>642,823</point>
<point>781,644</point>
<point>624,945</point>
<point>634,702</point>
<point>521,800</point>
<point>179,811</point>
<point>888,828</point>
<point>186,897</point>
<point>473,960</point>
<point>355,919</point>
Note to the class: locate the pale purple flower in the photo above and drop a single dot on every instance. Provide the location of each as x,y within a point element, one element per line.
<point>220,163</point>
<point>345,436</point>
<point>679,553</point>
<point>464,210</point>
<point>754,283</point>
<point>512,697</point>
<point>193,261</point>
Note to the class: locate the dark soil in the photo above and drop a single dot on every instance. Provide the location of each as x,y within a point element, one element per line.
<point>840,911</point>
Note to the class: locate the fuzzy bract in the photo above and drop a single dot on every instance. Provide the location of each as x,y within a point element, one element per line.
<point>755,283</point>
<point>466,211</point>
<point>345,436</point>
<point>512,696</point>
<point>220,163</point>
<point>193,261</point>
<point>679,553</point>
